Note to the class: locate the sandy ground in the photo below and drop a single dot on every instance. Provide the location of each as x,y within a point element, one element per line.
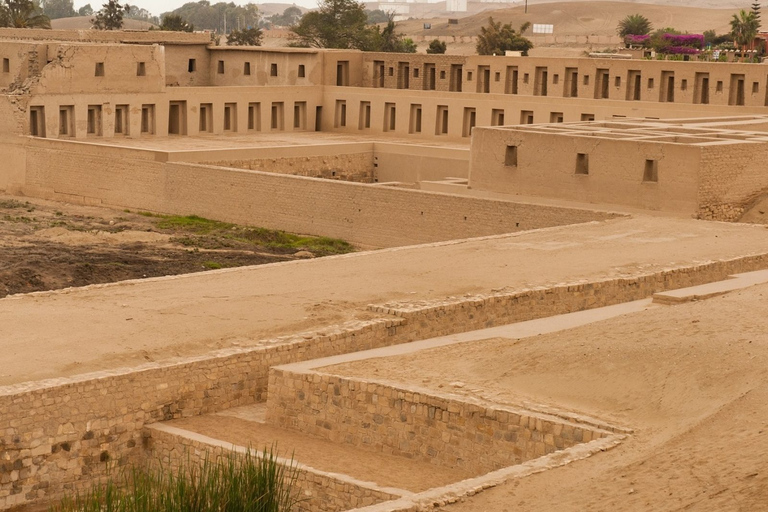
<point>124,324</point>
<point>384,470</point>
<point>691,380</point>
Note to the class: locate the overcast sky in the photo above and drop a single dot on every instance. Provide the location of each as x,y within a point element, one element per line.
<point>158,7</point>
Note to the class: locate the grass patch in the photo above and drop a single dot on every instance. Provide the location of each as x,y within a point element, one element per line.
<point>11,204</point>
<point>212,265</point>
<point>279,241</point>
<point>223,483</point>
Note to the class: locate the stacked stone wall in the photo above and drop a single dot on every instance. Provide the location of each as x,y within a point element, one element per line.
<point>318,491</point>
<point>437,429</point>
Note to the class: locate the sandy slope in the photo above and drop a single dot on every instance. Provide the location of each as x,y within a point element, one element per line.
<point>581,18</point>
<point>691,380</point>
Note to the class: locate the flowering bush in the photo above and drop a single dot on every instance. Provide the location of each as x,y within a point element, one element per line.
<point>685,40</point>
<point>634,40</point>
<point>681,50</point>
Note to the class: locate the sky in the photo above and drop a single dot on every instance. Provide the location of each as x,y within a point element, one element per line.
<point>158,7</point>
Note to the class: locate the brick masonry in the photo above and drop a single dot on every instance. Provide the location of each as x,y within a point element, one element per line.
<point>56,434</point>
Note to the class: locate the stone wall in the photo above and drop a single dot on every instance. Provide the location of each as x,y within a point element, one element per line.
<point>437,429</point>
<point>57,434</point>
<point>731,178</point>
<point>319,491</point>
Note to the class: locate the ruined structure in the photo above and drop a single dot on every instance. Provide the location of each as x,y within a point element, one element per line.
<point>359,146</point>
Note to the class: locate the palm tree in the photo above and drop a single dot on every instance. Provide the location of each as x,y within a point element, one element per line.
<point>22,14</point>
<point>744,27</point>
<point>634,24</point>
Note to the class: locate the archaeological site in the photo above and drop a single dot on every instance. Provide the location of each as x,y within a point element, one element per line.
<point>557,298</point>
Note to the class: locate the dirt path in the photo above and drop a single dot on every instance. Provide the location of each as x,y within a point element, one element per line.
<point>691,380</point>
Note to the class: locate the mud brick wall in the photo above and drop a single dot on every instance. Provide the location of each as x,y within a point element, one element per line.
<point>354,167</point>
<point>318,490</point>
<point>134,179</point>
<point>404,422</point>
<point>731,177</point>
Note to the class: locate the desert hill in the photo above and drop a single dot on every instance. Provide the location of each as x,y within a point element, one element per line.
<point>579,18</point>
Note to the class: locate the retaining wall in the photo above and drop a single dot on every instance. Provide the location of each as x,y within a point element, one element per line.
<point>437,429</point>
<point>319,491</point>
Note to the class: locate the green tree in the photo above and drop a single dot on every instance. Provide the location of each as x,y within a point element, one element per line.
<point>744,28</point>
<point>110,17</point>
<point>55,9</point>
<point>138,13</point>
<point>634,24</point>
<point>437,46</point>
<point>495,39</point>
<point>288,18</point>
<point>85,10</point>
<point>22,14</point>
<point>389,40</point>
<point>658,42</point>
<point>175,23</point>
<point>756,12</point>
<point>221,17</point>
<point>336,24</point>
<point>376,16</point>
<point>245,37</point>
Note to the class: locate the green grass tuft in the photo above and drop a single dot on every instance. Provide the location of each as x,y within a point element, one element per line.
<point>222,483</point>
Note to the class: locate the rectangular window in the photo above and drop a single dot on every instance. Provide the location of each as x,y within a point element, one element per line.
<point>582,163</point>
<point>37,121</point>
<point>456,77</point>
<point>719,86</point>
<point>365,116</point>
<point>148,119</point>
<point>254,117</point>
<point>484,79</point>
<point>555,117</point>
<point>442,74</point>
<point>683,85</point>
<point>273,69</point>
<point>177,118</point>
<point>390,117</point>
<point>206,117</point>
<point>736,96</point>
<point>571,86</point>
<point>651,172</point>
<point>342,73</point>
<point>99,69</point>
<point>141,69</point>
<point>122,124</point>
<point>302,71</point>
<point>540,80</point>
<point>278,116</point>
<point>650,83</point>
<point>300,115</point>
<point>510,86</point>
<point>378,73</point>
<point>415,122</point>
<point>191,66</point>
<point>94,120</point>
<point>587,117</point>
<point>526,117</point>
<point>586,80</point>
<point>230,117</point>
<point>247,68</point>
<point>701,88</point>
<point>510,156</point>
<point>602,84</point>
<point>667,89</point>
<point>340,119</point>
<point>755,87</point>
<point>403,75</point>
<point>634,85</point>
<point>429,77</point>
<point>6,65</point>
<point>617,81</point>
<point>67,121</point>
<point>497,117</point>
<point>497,77</point>
<point>441,127</point>
<point>220,68</point>
<point>415,72</point>
<point>470,120</point>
